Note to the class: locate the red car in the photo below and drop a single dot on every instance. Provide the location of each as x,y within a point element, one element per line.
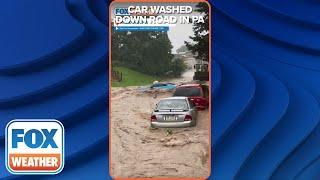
<point>197,93</point>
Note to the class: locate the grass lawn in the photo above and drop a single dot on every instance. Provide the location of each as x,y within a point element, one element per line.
<point>132,78</point>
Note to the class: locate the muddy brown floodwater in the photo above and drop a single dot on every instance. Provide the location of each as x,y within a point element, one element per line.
<point>139,151</point>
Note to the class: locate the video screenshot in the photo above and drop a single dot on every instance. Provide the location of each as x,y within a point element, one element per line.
<point>160,112</point>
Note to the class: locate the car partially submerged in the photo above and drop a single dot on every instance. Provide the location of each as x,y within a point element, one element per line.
<point>165,86</point>
<point>174,112</point>
<point>197,93</point>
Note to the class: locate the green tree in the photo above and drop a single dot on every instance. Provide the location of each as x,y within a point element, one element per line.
<point>200,45</point>
<point>146,52</point>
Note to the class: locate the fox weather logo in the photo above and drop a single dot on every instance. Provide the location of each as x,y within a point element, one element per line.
<point>34,146</point>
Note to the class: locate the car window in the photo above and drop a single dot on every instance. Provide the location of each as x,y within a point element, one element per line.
<point>191,103</point>
<point>187,91</point>
<point>172,104</point>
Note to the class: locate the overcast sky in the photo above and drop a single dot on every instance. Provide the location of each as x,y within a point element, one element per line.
<point>178,34</point>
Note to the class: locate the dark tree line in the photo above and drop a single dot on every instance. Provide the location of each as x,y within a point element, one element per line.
<point>200,45</point>
<point>146,52</point>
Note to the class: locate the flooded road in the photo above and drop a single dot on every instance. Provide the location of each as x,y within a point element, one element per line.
<point>187,76</point>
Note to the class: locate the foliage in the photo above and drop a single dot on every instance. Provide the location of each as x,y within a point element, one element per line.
<point>145,52</point>
<point>132,78</point>
<point>168,132</point>
<point>178,66</point>
<point>200,47</point>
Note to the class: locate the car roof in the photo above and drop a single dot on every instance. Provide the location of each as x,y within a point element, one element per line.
<point>190,85</point>
<point>177,97</point>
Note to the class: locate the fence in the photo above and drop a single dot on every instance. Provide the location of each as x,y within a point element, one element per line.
<point>117,76</point>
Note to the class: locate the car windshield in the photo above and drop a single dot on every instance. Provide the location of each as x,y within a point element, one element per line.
<point>187,91</point>
<point>173,104</point>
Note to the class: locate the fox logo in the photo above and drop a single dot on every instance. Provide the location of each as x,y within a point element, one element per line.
<point>34,146</point>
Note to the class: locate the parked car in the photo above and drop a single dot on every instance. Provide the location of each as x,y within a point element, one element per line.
<point>174,112</point>
<point>197,93</point>
<point>201,73</point>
